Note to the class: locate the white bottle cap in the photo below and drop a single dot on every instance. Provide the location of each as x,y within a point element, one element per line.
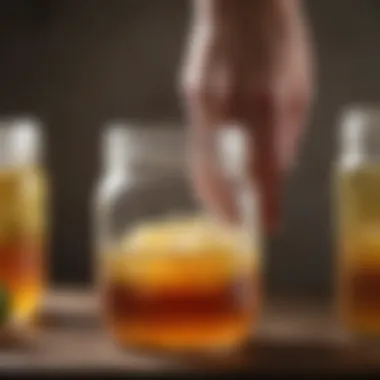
<point>360,130</point>
<point>20,141</point>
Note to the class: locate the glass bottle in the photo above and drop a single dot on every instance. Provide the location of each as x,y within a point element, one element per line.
<point>22,227</point>
<point>358,221</point>
<point>172,277</point>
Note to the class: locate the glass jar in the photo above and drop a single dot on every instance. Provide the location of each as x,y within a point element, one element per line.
<point>22,227</point>
<point>172,277</point>
<point>358,221</point>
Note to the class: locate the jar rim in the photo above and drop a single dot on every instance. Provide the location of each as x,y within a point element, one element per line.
<point>134,143</point>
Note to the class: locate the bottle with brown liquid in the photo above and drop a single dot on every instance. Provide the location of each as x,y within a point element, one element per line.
<point>23,225</point>
<point>171,276</point>
<point>358,222</point>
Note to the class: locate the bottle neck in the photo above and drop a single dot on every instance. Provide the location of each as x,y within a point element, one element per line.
<point>360,135</point>
<point>20,144</point>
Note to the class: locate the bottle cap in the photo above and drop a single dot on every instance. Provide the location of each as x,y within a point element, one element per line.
<point>20,141</point>
<point>360,130</point>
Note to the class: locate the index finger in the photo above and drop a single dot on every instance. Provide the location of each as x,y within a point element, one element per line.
<point>263,119</point>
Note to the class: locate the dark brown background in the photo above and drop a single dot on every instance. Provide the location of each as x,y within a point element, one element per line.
<point>77,63</point>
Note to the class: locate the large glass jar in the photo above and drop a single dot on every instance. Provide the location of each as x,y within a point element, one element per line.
<point>171,276</point>
<point>22,227</point>
<point>358,221</point>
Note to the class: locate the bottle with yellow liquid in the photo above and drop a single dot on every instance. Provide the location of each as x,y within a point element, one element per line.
<point>358,222</point>
<point>22,228</point>
<point>171,277</point>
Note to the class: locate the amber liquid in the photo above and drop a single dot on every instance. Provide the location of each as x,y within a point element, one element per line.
<point>359,261</point>
<point>21,276</point>
<point>363,305</point>
<point>22,269</point>
<point>201,301</point>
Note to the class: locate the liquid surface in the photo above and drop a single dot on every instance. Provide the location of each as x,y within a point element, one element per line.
<point>181,284</point>
<point>359,249</point>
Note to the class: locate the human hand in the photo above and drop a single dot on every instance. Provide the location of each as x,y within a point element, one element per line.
<point>247,62</point>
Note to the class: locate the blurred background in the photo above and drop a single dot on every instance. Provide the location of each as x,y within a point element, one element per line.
<point>77,63</point>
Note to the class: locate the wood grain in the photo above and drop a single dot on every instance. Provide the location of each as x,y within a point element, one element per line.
<point>295,335</point>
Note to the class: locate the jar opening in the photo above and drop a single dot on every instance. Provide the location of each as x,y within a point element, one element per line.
<point>130,146</point>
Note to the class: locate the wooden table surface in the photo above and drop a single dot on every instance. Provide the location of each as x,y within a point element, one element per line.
<point>294,336</point>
